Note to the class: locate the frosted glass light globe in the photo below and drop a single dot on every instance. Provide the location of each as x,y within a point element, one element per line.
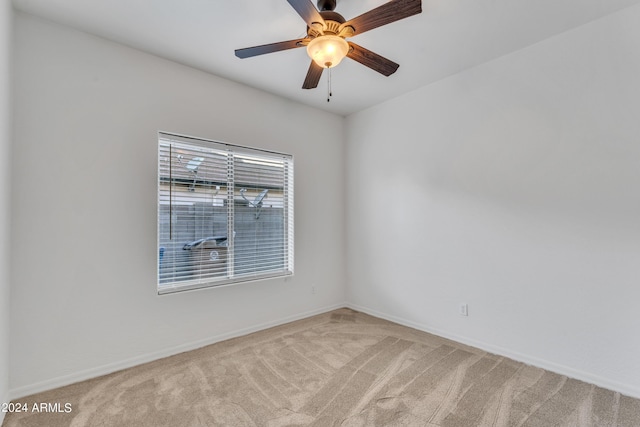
<point>327,51</point>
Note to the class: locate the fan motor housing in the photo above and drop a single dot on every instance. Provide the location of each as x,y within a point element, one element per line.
<point>330,15</point>
<point>332,21</point>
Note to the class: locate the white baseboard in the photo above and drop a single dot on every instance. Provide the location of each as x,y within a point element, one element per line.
<point>61,381</point>
<point>626,389</point>
<point>64,380</point>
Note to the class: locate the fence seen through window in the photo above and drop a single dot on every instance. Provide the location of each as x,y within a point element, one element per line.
<point>225,213</point>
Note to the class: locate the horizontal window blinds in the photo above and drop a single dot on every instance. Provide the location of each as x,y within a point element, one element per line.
<point>225,213</point>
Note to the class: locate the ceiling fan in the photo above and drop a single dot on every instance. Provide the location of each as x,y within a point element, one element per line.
<point>327,31</point>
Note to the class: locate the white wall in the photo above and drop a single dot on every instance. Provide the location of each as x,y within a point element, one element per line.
<point>512,187</point>
<point>84,206</point>
<point>6,18</point>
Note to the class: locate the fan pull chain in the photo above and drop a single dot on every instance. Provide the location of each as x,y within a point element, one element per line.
<point>329,94</point>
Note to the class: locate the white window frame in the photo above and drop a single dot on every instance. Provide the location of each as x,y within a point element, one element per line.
<point>283,257</point>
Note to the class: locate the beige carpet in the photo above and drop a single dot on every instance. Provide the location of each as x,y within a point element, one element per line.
<point>338,369</point>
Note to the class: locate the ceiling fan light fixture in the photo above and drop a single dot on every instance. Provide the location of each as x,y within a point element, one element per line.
<point>327,51</point>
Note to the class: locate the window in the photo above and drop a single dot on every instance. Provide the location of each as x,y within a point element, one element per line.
<point>225,213</point>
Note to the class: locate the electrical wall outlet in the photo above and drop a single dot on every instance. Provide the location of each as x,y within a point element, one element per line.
<point>313,289</point>
<point>464,310</point>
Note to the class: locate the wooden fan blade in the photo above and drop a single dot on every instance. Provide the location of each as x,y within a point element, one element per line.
<point>383,15</point>
<point>307,11</point>
<point>313,76</point>
<point>248,52</point>
<point>372,60</point>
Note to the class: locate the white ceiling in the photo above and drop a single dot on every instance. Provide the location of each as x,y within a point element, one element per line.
<point>448,37</point>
